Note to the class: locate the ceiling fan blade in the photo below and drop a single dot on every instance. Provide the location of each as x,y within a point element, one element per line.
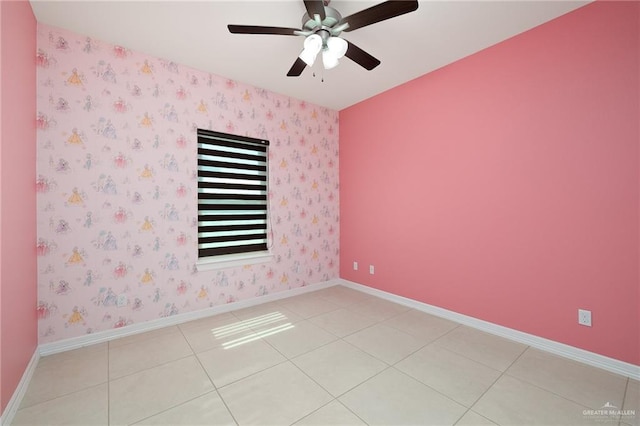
<point>315,7</point>
<point>361,57</point>
<point>257,29</point>
<point>379,12</point>
<point>297,68</point>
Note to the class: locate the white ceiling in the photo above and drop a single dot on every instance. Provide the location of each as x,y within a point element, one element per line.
<point>194,33</point>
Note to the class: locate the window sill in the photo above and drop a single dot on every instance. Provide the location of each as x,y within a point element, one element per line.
<point>233,260</point>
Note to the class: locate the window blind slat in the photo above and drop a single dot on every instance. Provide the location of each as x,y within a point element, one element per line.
<point>220,217</point>
<point>213,196</point>
<point>222,239</point>
<point>228,165</point>
<point>206,207</point>
<point>224,228</point>
<point>203,150</point>
<point>232,141</point>
<point>221,185</point>
<point>231,250</point>
<point>228,175</point>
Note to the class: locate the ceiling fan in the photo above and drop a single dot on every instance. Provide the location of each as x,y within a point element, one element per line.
<point>322,26</point>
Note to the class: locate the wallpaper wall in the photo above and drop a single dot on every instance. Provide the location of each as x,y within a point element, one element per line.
<point>116,185</point>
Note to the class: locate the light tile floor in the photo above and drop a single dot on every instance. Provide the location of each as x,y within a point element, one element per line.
<point>331,357</point>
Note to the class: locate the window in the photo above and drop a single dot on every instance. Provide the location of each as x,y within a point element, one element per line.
<point>232,196</point>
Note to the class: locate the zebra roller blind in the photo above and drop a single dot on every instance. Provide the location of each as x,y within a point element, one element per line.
<point>232,194</point>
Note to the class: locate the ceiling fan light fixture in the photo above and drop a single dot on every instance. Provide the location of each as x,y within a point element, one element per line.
<point>329,59</point>
<point>308,57</point>
<point>312,45</point>
<point>337,46</point>
<point>333,51</point>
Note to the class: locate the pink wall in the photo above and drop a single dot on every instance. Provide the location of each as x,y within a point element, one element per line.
<point>18,334</point>
<point>505,186</point>
<point>117,186</point>
<point>2,405</point>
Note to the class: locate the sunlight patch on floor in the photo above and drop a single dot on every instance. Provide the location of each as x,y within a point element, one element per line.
<point>258,335</point>
<point>246,325</point>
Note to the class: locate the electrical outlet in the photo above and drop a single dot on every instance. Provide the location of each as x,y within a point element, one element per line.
<point>584,317</point>
<point>122,300</point>
<point>355,266</point>
<point>371,269</point>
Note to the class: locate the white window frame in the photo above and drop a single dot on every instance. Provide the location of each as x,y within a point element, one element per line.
<point>229,167</point>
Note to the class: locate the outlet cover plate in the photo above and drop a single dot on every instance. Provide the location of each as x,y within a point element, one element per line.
<point>584,317</point>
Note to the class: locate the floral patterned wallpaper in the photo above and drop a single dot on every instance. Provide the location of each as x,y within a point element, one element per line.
<point>116,184</point>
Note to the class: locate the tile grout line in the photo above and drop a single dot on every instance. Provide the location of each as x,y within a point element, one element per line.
<point>376,322</point>
<point>429,343</point>
<point>176,406</point>
<point>548,391</point>
<point>345,308</point>
<point>241,378</point>
<point>248,375</point>
<point>624,398</point>
<point>474,360</point>
<point>314,411</point>
<point>215,388</point>
<point>324,405</point>
<point>502,373</point>
<point>432,388</point>
<point>382,322</point>
<point>554,393</point>
<point>152,367</point>
<point>286,359</point>
<point>465,413</point>
<point>290,360</point>
<point>62,396</point>
<point>434,342</point>
<point>350,410</point>
<point>193,354</point>
<point>388,366</point>
<point>337,398</point>
<point>83,388</point>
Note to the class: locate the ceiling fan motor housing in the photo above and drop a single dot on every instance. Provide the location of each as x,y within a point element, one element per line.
<point>332,18</point>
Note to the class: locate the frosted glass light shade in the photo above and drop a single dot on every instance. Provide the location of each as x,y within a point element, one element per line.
<point>337,46</point>
<point>312,45</point>
<point>334,50</point>
<point>329,59</point>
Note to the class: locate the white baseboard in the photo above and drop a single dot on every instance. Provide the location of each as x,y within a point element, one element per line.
<point>16,399</point>
<point>557,348</point>
<point>105,336</point>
